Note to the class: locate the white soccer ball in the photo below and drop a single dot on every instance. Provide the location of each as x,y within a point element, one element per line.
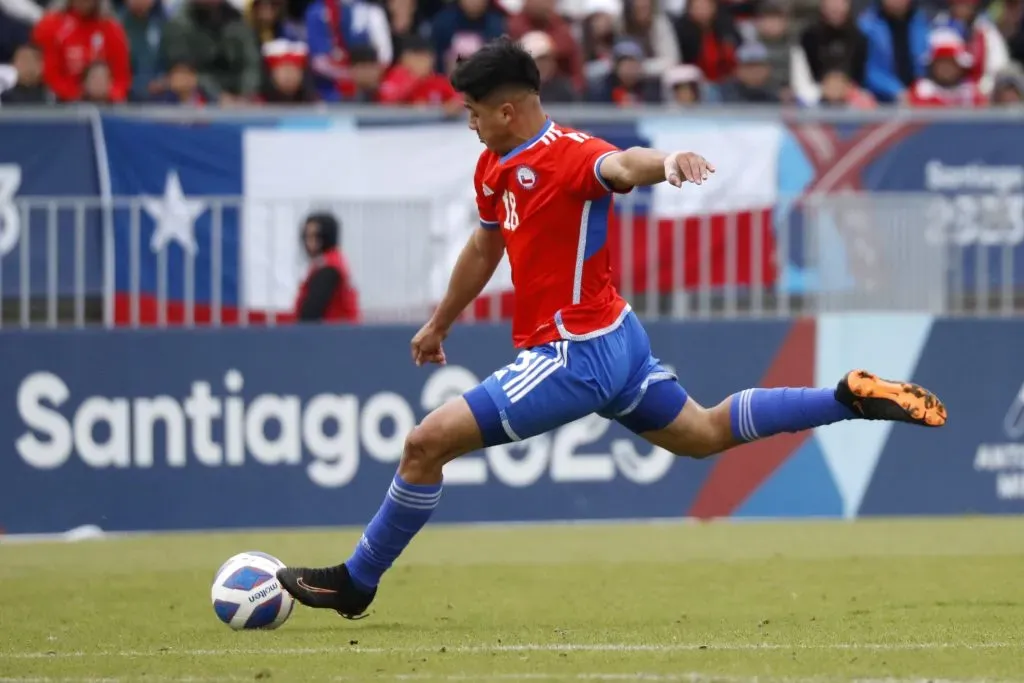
<point>246,593</point>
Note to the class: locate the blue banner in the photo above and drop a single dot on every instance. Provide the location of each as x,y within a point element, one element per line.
<point>55,239</point>
<point>305,426</point>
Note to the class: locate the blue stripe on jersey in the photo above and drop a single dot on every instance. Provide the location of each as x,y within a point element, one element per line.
<point>544,129</point>
<point>597,226</point>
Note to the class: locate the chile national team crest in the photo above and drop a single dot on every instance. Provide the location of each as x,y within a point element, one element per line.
<point>526,177</point>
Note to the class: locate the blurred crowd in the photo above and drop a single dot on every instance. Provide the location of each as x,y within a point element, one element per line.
<point>805,53</point>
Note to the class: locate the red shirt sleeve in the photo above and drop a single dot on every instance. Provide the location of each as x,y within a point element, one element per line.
<point>485,197</point>
<point>55,74</point>
<point>118,61</point>
<point>397,87</point>
<point>582,157</point>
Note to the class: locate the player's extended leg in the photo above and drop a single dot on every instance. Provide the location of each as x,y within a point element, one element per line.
<point>759,413</point>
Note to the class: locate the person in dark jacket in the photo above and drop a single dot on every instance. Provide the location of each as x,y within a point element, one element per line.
<point>752,83</point>
<point>708,39</point>
<point>463,26</point>
<point>833,41</point>
<point>29,88</point>
<point>327,293</point>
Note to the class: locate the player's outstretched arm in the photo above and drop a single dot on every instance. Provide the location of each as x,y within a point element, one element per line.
<point>473,269</point>
<point>639,166</point>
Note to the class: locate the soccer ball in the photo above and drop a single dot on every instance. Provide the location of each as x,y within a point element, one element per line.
<point>246,593</point>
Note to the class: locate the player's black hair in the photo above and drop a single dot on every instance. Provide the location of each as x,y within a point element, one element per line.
<point>499,64</point>
<point>329,228</point>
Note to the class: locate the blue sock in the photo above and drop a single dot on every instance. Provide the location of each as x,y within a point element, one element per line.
<point>759,413</point>
<point>405,511</point>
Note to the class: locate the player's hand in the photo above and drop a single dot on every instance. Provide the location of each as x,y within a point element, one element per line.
<point>681,167</point>
<point>426,345</point>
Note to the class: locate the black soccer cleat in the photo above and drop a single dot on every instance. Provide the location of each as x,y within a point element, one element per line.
<point>874,398</point>
<point>326,588</point>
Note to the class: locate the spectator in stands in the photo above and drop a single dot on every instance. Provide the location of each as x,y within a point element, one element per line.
<point>708,39</point>
<point>335,28</point>
<point>28,87</point>
<point>212,35</point>
<point>288,81</point>
<point>984,42</point>
<point>644,22</point>
<point>773,30</point>
<point>367,74</point>
<point>269,22</point>
<point>97,84</point>
<point>897,34</point>
<point>183,86</point>
<point>752,82</point>
<point>1008,16</point>
<point>683,85</point>
<point>554,87</point>
<point>14,33</point>
<point>143,22</point>
<point>626,85</point>
<point>540,15</point>
<point>832,41</point>
<point>405,21</point>
<point>1017,45</point>
<point>948,82</point>
<point>73,37</point>
<point>1008,90</point>
<point>597,37</point>
<point>462,28</point>
<point>838,91</point>
<point>327,294</point>
<point>414,81</point>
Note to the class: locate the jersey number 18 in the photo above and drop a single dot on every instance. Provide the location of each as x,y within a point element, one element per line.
<point>511,217</point>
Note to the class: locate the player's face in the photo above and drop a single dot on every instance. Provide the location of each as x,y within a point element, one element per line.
<point>490,121</point>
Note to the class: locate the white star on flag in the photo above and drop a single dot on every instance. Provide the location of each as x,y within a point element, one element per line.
<point>175,216</point>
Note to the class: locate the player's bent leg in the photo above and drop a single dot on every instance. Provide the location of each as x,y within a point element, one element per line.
<point>349,588</point>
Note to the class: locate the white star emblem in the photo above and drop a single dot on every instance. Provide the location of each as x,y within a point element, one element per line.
<point>175,216</point>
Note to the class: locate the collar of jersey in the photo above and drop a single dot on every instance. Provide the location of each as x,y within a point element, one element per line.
<point>543,131</point>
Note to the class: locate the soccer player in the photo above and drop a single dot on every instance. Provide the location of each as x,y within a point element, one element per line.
<point>544,196</point>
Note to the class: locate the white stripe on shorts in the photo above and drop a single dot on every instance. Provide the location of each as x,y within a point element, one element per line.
<point>560,360</point>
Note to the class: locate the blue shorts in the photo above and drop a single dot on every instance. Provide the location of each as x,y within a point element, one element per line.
<point>548,386</point>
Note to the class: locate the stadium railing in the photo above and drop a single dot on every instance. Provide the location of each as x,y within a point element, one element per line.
<point>83,261</point>
<point>825,254</point>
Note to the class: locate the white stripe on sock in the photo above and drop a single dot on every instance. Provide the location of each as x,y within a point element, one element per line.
<point>754,436</point>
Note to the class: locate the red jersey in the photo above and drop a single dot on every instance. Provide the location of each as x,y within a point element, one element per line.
<point>552,206</point>
<point>400,86</point>
<point>344,305</point>
<point>928,93</point>
<point>70,42</point>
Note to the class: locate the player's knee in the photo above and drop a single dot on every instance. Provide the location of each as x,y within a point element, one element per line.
<point>423,454</point>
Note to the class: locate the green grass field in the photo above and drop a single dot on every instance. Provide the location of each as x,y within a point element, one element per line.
<point>824,601</point>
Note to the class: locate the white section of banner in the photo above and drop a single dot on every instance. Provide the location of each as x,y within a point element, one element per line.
<point>404,196</point>
<point>745,155</point>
